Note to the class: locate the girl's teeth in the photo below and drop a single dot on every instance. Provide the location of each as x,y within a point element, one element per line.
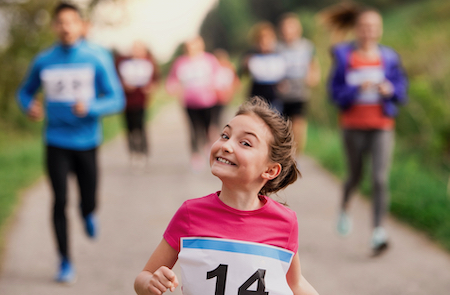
<point>223,161</point>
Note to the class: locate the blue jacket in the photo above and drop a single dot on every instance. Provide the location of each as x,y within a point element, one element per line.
<point>67,74</point>
<point>344,95</point>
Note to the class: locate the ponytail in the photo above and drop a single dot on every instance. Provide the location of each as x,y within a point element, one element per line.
<point>342,17</point>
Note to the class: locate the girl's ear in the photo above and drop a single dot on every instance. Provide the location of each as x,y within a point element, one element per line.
<point>272,171</point>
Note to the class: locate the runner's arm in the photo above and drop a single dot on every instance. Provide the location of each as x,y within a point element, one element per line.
<point>296,281</point>
<point>157,275</point>
<point>112,99</point>
<point>29,87</point>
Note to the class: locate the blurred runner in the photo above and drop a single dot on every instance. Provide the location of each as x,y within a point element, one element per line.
<point>227,83</point>
<point>302,72</point>
<point>78,89</point>
<point>265,66</point>
<point>139,74</point>
<point>192,78</point>
<point>367,83</point>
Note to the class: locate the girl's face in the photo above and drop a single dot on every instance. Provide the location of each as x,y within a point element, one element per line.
<point>267,41</point>
<point>194,46</point>
<point>369,27</point>
<point>241,154</point>
<point>290,30</point>
<point>139,50</point>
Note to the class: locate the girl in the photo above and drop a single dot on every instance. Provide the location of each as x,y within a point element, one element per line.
<point>264,65</point>
<point>227,83</point>
<point>230,239</point>
<point>192,78</point>
<point>139,75</point>
<point>366,83</point>
<point>302,72</point>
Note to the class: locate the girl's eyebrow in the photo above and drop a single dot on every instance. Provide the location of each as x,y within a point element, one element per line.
<point>246,132</point>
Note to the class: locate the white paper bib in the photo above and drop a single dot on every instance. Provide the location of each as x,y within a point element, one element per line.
<point>196,73</point>
<point>356,77</point>
<point>136,72</point>
<point>270,68</point>
<point>224,78</point>
<point>213,266</point>
<point>62,84</point>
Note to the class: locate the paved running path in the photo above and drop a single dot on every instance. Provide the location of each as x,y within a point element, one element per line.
<point>136,207</point>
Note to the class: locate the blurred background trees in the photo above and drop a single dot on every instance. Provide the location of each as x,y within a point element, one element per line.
<point>418,30</point>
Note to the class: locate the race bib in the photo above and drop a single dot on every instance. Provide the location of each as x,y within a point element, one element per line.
<point>224,78</point>
<point>69,84</point>
<point>195,73</point>
<point>228,267</point>
<point>136,72</point>
<point>297,63</point>
<point>356,77</point>
<point>270,68</point>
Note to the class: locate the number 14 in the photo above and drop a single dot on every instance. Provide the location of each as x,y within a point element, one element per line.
<point>221,273</point>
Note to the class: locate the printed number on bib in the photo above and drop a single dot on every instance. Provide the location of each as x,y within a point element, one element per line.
<point>228,267</point>
<point>68,84</point>
<point>221,273</point>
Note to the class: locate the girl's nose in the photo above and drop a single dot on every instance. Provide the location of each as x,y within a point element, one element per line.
<point>227,147</point>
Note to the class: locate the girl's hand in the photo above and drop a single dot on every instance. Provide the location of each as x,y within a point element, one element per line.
<point>366,86</point>
<point>386,89</point>
<point>35,111</point>
<point>163,279</point>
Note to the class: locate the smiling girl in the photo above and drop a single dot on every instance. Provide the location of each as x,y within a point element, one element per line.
<point>237,240</point>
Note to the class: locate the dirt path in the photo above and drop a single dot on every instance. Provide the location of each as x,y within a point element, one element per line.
<point>136,207</point>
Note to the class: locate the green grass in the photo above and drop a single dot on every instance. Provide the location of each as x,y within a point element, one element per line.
<point>418,189</point>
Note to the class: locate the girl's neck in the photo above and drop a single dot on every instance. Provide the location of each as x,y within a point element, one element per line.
<point>367,46</point>
<point>240,199</point>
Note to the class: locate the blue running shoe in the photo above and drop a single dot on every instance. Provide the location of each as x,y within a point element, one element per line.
<point>66,272</point>
<point>91,225</point>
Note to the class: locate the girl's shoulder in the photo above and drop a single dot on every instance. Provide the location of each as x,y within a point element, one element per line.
<point>280,209</point>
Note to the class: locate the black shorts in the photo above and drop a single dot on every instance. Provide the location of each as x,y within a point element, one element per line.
<point>294,109</point>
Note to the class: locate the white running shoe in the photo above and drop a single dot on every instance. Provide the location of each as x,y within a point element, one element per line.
<point>379,242</point>
<point>344,225</point>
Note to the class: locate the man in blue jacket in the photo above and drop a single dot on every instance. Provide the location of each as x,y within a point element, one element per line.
<point>78,89</point>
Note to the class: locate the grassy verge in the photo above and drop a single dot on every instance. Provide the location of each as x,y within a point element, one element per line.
<point>418,189</point>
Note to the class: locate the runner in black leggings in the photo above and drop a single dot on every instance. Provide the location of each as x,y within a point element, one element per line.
<point>80,85</point>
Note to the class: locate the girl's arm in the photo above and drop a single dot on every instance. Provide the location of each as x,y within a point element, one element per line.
<point>313,76</point>
<point>157,275</point>
<point>298,284</point>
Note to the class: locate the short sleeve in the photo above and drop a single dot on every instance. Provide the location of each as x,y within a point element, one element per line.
<point>293,235</point>
<point>178,227</point>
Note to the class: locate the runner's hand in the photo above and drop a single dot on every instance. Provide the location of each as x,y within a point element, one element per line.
<point>80,109</point>
<point>35,111</point>
<point>163,279</point>
<point>385,88</point>
<point>366,86</point>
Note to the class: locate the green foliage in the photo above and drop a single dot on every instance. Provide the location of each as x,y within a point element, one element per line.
<point>29,33</point>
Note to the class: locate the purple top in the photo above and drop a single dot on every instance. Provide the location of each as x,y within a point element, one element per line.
<point>344,95</point>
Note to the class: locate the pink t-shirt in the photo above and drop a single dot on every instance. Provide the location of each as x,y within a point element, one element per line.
<point>196,76</point>
<point>273,224</point>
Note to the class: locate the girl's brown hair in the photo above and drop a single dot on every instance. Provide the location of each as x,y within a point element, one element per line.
<point>342,17</point>
<point>281,149</point>
<point>257,30</point>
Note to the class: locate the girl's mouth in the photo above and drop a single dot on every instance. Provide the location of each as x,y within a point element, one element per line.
<point>225,161</point>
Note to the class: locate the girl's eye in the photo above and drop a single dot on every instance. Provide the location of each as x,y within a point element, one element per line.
<point>224,136</point>
<point>246,143</point>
